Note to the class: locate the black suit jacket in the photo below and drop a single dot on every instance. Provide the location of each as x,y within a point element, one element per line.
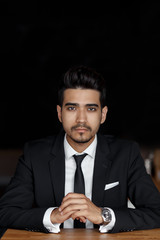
<point>39,179</point>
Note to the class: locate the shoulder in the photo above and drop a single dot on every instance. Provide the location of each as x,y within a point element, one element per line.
<point>44,145</point>
<point>41,148</point>
<point>38,152</point>
<point>123,151</point>
<point>40,143</point>
<point>112,139</point>
<point>118,144</point>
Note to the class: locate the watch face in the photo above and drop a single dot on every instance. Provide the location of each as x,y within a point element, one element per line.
<point>106,215</point>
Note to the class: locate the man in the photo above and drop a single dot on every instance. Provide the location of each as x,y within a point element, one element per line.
<point>50,191</point>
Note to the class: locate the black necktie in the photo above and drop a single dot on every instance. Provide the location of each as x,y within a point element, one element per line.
<point>79,186</point>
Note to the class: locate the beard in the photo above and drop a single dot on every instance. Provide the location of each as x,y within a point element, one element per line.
<point>81,138</point>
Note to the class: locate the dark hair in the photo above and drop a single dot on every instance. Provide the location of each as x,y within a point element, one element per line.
<point>85,78</point>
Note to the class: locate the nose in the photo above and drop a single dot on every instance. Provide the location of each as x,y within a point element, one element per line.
<point>81,116</point>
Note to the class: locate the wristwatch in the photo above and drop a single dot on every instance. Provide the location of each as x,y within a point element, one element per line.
<point>106,215</point>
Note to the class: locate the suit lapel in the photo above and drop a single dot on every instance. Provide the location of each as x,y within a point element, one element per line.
<point>101,169</point>
<point>57,168</point>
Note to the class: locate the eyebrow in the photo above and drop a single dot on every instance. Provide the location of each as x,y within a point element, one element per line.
<point>76,104</point>
<point>92,105</point>
<point>73,104</point>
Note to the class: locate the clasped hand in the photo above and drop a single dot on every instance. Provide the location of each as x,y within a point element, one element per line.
<point>76,206</point>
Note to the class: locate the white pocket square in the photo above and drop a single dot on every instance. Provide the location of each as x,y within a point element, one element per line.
<point>111,185</point>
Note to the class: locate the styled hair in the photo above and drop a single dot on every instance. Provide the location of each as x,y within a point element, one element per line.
<point>85,78</point>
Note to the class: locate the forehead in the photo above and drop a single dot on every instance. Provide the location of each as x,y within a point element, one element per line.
<point>81,96</point>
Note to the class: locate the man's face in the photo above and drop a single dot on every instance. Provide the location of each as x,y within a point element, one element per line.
<point>81,115</point>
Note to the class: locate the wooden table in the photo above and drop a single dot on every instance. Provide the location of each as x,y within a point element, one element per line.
<point>81,234</point>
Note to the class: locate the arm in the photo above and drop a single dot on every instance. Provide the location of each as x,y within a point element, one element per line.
<point>30,193</point>
<point>16,205</point>
<point>144,196</point>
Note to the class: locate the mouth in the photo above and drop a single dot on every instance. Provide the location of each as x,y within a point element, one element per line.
<point>81,129</point>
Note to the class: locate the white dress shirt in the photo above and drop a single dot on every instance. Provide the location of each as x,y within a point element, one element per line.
<point>87,166</point>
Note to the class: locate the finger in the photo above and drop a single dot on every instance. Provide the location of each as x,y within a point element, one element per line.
<point>73,195</point>
<point>82,219</point>
<point>81,215</point>
<point>67,215</point>
<point>75,202</point>
<point>72,207</point>
<point>57,217</point>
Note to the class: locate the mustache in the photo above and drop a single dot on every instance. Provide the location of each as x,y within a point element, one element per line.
<point>80,125</point>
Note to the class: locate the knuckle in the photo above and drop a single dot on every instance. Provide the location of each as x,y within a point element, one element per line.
<point>86,206</point>
<point>85,201</point>
<point>69,194</point>
<point>82,195</point>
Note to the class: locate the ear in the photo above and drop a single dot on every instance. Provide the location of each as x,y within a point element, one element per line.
<point>104,114</point>
<point>59,112</point>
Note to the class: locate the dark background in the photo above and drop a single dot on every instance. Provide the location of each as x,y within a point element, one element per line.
<point>39,42</point>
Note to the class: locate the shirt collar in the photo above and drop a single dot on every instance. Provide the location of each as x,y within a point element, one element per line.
<point>69,151</point>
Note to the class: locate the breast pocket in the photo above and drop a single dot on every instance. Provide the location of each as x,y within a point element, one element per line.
<point>112,195</point>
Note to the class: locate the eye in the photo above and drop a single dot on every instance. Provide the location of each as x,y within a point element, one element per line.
<point>71,108</point>
<point>92,109</point>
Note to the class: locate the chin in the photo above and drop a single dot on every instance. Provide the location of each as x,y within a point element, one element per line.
<point>81,139</point>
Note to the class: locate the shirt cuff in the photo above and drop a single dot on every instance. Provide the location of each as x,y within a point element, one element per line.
<point>53,228</point>
<point>109,226</point>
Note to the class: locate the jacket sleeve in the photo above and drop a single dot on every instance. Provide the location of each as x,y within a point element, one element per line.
<point>144,196</point>
<point>17,204</point>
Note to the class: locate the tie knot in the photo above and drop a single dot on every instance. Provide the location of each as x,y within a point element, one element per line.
<point>79,158</point>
